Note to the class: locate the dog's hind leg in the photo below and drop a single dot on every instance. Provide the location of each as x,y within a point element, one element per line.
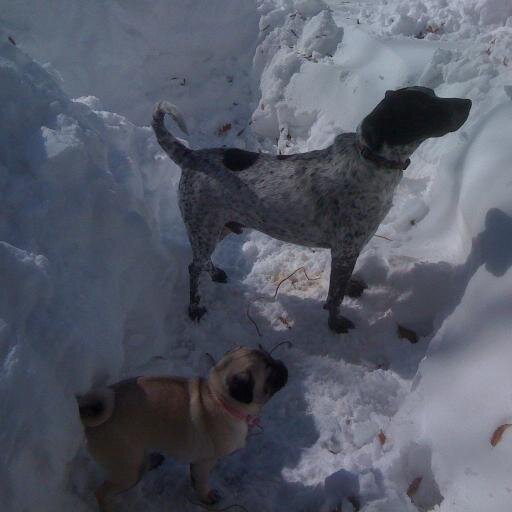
<point>125,474</point>
<point>203,239</point>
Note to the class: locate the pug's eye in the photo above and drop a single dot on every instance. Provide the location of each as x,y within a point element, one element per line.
<point>241,387</point>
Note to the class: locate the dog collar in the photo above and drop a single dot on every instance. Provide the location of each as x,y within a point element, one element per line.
<point>249,419</point>
<point>368,154</point>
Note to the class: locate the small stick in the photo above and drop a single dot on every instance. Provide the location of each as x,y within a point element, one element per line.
<point>210,357</point>
<point>385,238</point>
<point>248,314</point>
<point>293,273</point>
<point>289,343</point>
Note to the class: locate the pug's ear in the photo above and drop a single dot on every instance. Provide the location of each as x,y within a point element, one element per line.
<point>389,94</point>
<point>241,387</point>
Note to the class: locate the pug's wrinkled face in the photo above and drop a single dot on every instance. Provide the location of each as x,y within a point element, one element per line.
<point>250,376</point>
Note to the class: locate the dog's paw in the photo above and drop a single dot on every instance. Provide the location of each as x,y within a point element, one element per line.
<point>219,276</point>
<point>212,497</point>
<point>340,324</point>
<point>155,460</point>
<point>355,287</point>
<point>196,312</point>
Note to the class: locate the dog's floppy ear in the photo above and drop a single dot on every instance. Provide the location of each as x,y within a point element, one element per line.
<point>241,387</point>
<point>389,94</point>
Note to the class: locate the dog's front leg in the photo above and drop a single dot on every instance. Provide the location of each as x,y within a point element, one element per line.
<point>199,472</point>
<point>195,311</point>
<point>342,266</point>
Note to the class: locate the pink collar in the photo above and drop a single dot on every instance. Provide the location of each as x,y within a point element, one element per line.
<point>249,419</point>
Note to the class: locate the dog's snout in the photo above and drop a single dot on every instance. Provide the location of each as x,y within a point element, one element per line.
<point>278,376</point>
<point>464,106</point>
<point>460,112</point>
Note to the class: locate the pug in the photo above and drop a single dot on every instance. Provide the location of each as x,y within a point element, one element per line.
<point>195,421</point>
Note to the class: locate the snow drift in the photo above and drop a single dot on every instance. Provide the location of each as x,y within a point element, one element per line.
<point>82,269</point>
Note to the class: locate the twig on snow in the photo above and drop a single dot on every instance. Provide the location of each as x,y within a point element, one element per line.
<point>385,238</point>
<point>289,343</point>
<point>247,311</point>
<point>248,314</point>
<point>291,275</point>
<point>210,357</point>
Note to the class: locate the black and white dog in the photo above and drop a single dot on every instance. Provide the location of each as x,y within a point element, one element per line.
<point>332,198</point>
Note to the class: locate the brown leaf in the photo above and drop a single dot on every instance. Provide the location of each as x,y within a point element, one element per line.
<point>432,29</point>
<point>498,433</point>
<point>382,437</point>
<point>407,334</point>
<point>224,129</point>
<point>284,321</point>
<point>414,486</point>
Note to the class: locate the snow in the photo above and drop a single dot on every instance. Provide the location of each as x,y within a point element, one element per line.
<point>93,253</point>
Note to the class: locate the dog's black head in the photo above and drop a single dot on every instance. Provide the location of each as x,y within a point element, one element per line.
<point>410,115</point>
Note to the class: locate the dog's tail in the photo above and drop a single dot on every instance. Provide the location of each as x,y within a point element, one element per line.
<point>170,144</point>
<point>96,407</point>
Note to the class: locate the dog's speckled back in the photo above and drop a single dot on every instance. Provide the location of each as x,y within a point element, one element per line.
<point>314,199</point>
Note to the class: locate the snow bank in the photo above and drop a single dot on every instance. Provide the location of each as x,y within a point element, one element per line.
<point>461,392</point>
<point>82,270</point>
<point>133,54</point>
<point>435,19</point>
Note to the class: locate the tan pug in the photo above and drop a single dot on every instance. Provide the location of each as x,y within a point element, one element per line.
<point>196,421</point>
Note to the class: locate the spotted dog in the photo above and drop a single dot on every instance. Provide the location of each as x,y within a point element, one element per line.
<point>331,198</point>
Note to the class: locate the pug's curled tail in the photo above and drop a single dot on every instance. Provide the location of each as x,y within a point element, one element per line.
<point>96,407</point>
<point>169,143</point>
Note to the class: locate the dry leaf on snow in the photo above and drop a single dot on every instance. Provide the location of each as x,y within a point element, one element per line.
<point>284,321</point>
<point>414,486</point>
<point>498,433</point>
<point>224,129</point>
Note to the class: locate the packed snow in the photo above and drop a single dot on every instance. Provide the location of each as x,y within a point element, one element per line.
<point>396,416</point>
